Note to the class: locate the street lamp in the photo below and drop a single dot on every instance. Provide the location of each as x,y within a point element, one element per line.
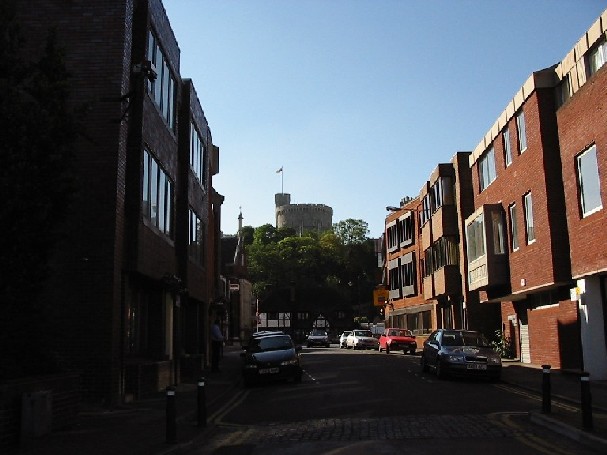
<point>391,208</point>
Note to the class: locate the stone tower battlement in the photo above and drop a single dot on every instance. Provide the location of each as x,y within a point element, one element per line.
<point>302,217</point>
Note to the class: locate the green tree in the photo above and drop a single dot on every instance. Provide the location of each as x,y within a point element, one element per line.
<point>352,231</point>
<point>341,261</point>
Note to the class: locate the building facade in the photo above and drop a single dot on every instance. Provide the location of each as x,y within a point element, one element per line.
<point>526,224</point>
<point>135,272</point>
<point>581,120</point>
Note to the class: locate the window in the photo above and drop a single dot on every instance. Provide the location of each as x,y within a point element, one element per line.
<point>513,228</point>
<point>442,192</point>
<point>529,231</point>
<point>427,208</point>
<point>475,236</point>
<point>405,229</point>
<point>443,252</point>
<point>196,244</point>
<point>522,134</point>
<point>162,89</point>
<point>197,154</point>
<point>407,274</point>
<point>392,236</point>
<point>499,244</point>
<point>563,91</point>
<point>507,148</point>
<point>597,58</point>
<point>486,169</point>
<point>157,195</point>
<point>588,181</point>
<point>394,275</point>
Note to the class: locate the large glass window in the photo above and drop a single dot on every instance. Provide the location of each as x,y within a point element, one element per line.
<point>529,229</point>
<point>507,148</point>
<point>475,236</point>
<point>588,181</point>
<point>197,154</point>
<point>486,169</point>
<point>162,89</point>
<point>522,132</point>
<point>157,195</point>
<point>513,228</point>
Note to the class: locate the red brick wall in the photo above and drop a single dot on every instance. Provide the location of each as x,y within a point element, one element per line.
<point>528,173</point>
<point>554,335</point>
<point>581,123</point>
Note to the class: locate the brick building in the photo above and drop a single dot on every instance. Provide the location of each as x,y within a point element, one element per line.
<point>425,275</point>
<point>135,273</point>
<point>581,119</point>
<point>529,216</point>
<point>517,239</point>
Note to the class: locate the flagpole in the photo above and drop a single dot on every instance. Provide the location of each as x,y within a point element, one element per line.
<point>282,184</point>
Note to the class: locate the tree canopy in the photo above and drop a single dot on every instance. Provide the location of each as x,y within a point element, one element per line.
<point>342,260</point>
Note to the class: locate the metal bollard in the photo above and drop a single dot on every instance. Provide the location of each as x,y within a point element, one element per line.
<point>586,401</point>
<point>546,390</point>
<point>202,403</point>
<point>171,416</point>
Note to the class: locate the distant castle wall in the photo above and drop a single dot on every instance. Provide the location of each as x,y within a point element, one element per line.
<point>302,217</point>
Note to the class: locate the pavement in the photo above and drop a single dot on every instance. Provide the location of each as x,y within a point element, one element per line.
<point>140,428</point>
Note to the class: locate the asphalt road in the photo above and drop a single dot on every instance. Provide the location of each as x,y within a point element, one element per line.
<point>359,402</point>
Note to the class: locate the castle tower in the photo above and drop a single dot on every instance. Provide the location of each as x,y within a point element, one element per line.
<point>302,217</point>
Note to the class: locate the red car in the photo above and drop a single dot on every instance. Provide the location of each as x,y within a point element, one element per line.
<point>394,339</point>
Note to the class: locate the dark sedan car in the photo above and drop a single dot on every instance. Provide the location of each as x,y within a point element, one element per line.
<point>271,357</point>
<point>460,352</point>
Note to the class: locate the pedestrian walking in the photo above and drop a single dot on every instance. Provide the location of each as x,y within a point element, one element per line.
<point>216,344</point>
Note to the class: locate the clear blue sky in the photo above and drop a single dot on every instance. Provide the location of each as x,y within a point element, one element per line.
<point>348,95</point>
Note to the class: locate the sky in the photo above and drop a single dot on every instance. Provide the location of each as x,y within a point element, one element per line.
<point>357,100</point>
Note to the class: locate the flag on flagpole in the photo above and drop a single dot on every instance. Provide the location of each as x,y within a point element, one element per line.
<point>279,170</point>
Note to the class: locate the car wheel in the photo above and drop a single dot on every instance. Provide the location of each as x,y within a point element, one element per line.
<point>440,370</point>
<point>387,349</point>
<point>424,364</point>
<point>412,351</point>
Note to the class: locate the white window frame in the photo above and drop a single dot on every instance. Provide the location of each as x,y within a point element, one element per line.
<point>529,224</point>
<point>513,228</point>
<point>588,172</point>
<point>486,169</point>
<point>507,147</point>
<point>521,130</point>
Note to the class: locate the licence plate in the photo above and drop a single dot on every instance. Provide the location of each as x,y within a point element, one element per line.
<point>476,366</point>
<point>269,370</point>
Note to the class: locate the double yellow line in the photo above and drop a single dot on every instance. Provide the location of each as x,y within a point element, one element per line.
<point>522,435</point>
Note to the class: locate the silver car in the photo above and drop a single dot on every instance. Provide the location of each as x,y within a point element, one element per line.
<point>362,339</point>
<point>460,352</point>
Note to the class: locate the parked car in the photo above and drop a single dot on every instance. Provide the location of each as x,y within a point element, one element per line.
<point>394,339</point>
<point>342,339</point>
<point>460,352</point>
<point>361,339</point>
<point>271,357</point>
<point>318,337</point>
